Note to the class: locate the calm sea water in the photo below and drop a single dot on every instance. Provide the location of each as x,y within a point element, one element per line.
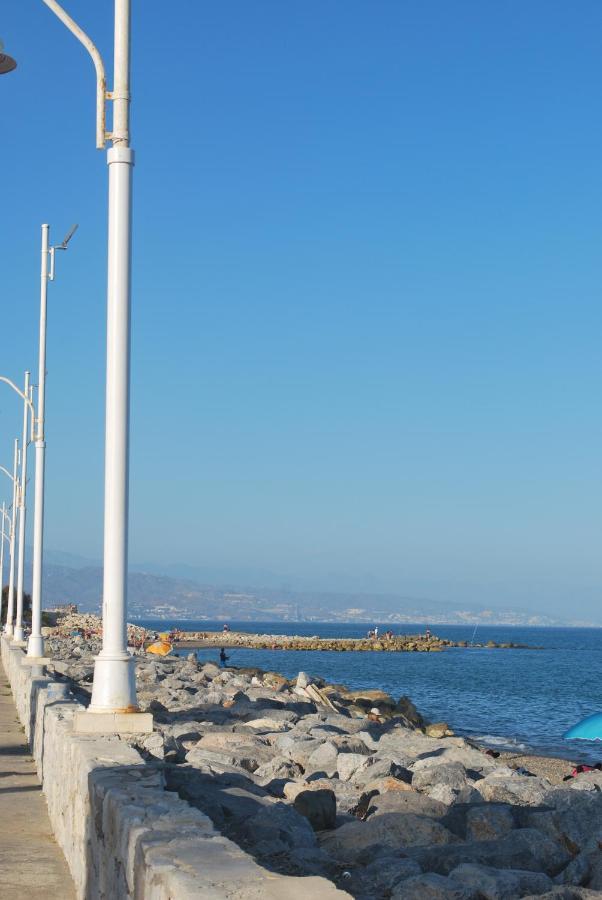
<point>515,699</point>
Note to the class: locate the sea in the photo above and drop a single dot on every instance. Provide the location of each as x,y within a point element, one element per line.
<point>517,700</point>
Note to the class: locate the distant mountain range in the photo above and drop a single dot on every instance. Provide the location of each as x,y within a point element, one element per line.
<point>71,579</point>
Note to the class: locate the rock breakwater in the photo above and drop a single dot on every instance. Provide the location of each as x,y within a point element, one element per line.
<point>408,643</point>
<point>311,778</point>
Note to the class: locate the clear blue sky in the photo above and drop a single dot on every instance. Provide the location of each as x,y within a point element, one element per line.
<point>367,275</point>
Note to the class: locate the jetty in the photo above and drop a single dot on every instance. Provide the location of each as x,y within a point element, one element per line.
<point>400,643</point>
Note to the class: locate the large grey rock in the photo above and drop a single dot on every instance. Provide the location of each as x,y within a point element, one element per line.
<point>278,822</point>
<point>278,767</point>
<point>432,887</point>
<point>488,822</point>
<point>576,816</point>
<point>347,764</point>
<point>451,774</point>
<point>382,876</point>
<point>230,750</point>
<point>501,884</point>
<point>391,830</point>
<point>519,789</point>
<point>578,871</point>
<point>380,767</point>
<point>322,759</point>
<point>523,848</point>
<point>404,802</point>
<point>318,807</point>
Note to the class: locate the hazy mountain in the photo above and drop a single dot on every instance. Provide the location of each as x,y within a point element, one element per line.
<point>151,594</point>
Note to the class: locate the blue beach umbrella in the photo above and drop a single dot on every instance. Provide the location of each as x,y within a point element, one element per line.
<point>589,729</point>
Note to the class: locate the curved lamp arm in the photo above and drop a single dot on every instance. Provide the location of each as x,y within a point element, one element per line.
<point>101,78</point>
<point>6,472</point>
<point>27,399</point>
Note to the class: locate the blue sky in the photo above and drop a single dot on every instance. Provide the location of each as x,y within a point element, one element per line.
<point>367,269</point>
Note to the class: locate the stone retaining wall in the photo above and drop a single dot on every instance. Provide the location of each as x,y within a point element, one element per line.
<point>124,835</point>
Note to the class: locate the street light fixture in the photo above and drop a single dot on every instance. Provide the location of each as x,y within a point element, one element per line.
<point>7,63</point>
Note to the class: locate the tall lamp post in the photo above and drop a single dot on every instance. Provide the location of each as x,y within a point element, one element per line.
<point>18,632</point>
<point>3,537</point>
<point>8,630</point>
<point>114,685</point>
<point>26,396</point>
<point>35,645</point>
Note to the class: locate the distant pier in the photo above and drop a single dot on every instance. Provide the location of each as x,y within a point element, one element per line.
<point>397,643</point>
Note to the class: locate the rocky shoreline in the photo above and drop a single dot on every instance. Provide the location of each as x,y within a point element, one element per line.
<point>313,779</point>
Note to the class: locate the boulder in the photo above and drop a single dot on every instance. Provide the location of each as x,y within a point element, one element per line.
<point>576,817</point>
<point>447,782</point>
<point>406,801</point>
<point>265,724</point>
<point>407,709</point>
<point>438,730</point>
<point>488,822</point>
<point>228,749</point>
<point>500,884</point>
<point>322,759</point>
<point>379,768</point>
<point>275,681</point>
<point>523,848</point>
<point>519,789</point>
<point>210,670</point>
<point>385,785</point>
<point>389,829</point>
<point>278,822</point>
<point>432,887</point>
<point>278,767</point>
<point>319,807</point>
<point>347,764</point>
<point>449,795</point>
<point>381,877</point>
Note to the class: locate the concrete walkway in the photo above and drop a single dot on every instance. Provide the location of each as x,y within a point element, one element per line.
<point>32,865</point>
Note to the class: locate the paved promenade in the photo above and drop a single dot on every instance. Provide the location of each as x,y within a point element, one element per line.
<point>32,866</point>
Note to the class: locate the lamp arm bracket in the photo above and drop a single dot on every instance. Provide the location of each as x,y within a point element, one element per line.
<point>101,78</point>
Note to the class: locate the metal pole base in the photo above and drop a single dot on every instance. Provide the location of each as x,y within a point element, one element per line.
<point>114,686</point>
<point>35,646</point>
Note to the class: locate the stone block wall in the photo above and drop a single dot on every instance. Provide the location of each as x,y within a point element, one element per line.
<point>123,835</point>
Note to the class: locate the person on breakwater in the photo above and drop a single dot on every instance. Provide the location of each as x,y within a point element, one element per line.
<point>223,659</point>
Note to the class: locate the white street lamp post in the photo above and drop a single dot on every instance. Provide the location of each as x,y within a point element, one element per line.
<point>3,536</point>
<point>35,645</point>
<point>8,630</point>
<point>114,686</point>
<point>18,632</point>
